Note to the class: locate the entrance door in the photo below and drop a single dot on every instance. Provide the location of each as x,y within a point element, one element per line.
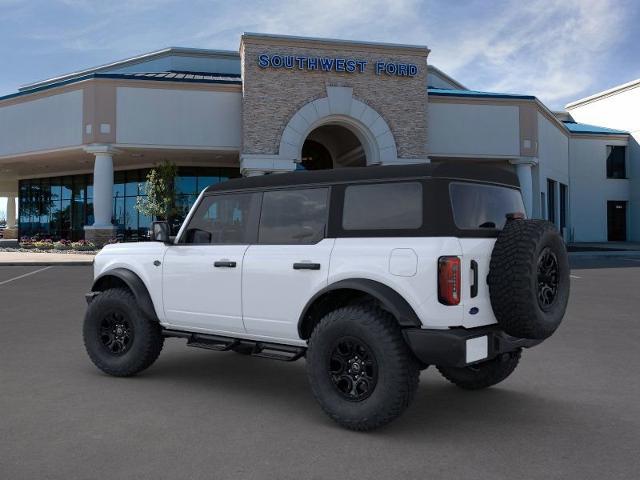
<point>289,264</point>
<point>202,273</point>
<point>617,221</point>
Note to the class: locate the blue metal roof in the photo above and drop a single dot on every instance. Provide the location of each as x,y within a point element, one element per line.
<point>575,127</point>
<point>443,92</point>
<point>188,77</point>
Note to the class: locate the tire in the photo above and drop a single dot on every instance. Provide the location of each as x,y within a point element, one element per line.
<point>529,279</point>
<point>135,348</point>
<point>369,337</point>
<point>482,375</point>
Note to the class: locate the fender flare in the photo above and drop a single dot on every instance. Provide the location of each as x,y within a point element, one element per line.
<point>135,284</point>
<point>391,300</point>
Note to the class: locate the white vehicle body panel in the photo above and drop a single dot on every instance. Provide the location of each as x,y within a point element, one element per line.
<point>274,294</point>
<point>478,249</point>
<point>139,258</point>
<point>198,295</point>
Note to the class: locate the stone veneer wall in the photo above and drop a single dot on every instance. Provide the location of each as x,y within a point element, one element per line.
<point>271,96</point>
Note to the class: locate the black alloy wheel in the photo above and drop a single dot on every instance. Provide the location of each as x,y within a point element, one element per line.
<point>116,333</point>
<point>353,369</point>
<point>547,278</point>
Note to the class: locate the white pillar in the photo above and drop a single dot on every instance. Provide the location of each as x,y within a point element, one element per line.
<point>102,185</point>
<point>11,211</point>
<point>523,170</point>
<point>252,165</point>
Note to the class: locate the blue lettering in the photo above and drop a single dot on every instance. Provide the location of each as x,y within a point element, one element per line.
<point>361,65</point>
<point>402,69</point>
<point>392,69</point>
<point>413,70</point>
<point>340,64</point>
<point>288,61</point>
<point>379,67</point>
<point>301,62</point>
<point>351,66</point>
<point>276,61</point>
<point>312,63</point>
<point>326,63</point>
<point>263,61</point>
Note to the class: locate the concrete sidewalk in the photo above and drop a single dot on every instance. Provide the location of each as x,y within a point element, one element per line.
<point>45,259</point>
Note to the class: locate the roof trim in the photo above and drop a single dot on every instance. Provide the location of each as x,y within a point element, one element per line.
<point>117,76</point>
<point>335,41</point>
<point>593,129</point>
<point>442,92</point>
<point>604,93</point>
<point>447,77</point>
<point>132,61</point>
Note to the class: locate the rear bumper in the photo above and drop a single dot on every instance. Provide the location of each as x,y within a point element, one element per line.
<point>459,347</point>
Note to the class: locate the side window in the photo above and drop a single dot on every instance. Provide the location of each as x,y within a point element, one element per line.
<point>383,206</point>
<point>293,216</point>
<point>223,219</point>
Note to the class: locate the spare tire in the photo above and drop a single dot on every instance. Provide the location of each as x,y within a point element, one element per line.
<point>529,278</point>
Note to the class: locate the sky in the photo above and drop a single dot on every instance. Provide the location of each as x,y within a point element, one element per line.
<point>558,50</point>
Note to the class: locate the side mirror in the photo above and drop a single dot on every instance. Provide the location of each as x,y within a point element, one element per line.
<point>160,232</point>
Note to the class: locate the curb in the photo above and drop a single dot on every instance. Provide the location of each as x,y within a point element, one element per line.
<point>612,253</point>
<point>72,263</point>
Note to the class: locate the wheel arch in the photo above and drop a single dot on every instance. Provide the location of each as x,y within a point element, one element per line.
<point>353,290</point>
<point>123,277</point>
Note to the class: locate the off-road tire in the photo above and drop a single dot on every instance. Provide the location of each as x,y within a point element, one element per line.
<point>482,375</point>
<point>145,345</point>
<point>515,280</point>
<point>397,369</point>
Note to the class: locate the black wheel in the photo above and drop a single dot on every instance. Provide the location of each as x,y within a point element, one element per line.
<point>119,338</point>
<point>360,369</point>
<point>529,279</point>
<point>482,375</point>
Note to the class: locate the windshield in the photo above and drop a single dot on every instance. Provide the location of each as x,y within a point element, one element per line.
<point>477,206</point>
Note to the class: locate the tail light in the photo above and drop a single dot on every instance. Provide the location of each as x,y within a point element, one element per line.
<point>449,280</point>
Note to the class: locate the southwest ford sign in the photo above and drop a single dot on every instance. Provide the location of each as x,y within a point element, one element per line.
<point>331,64</point>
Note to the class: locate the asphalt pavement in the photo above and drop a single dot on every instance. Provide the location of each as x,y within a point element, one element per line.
<point>570,411</point>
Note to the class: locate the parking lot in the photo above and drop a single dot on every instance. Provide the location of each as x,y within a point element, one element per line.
<point>571,409</point>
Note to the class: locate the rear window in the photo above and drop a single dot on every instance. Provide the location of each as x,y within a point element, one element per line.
<point>477,206</point>
<point>383,206</point>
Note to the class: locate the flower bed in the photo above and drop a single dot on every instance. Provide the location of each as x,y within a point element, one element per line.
<point>47,245</point>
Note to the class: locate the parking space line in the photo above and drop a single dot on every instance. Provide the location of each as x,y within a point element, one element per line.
<point>574,276</point>
<point>25,275</point>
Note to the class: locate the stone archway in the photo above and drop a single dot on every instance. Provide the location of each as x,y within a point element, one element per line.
<point>339,108</point>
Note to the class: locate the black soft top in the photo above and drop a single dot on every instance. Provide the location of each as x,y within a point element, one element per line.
<point>454,170</point>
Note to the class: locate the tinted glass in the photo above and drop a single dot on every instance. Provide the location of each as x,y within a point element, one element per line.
<point>223,219</point>
<point>293,216</point>
<point>383,206</point>
<point>483,206</point>
<point>616,162</point>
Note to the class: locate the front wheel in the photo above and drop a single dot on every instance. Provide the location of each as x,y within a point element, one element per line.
<point>118,337</point>
<point>359,367</point>
<point>484,374</point>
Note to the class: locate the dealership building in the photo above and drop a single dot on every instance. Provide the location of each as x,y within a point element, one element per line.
<point>75,149</point>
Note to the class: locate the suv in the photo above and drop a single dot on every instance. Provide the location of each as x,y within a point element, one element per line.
<point>371,274</point>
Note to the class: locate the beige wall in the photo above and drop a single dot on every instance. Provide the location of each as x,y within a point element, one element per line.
<point>272,96</point>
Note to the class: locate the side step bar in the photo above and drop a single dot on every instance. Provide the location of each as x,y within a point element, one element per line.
<point>276,351</point>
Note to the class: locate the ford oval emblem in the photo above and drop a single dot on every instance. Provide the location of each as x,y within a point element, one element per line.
<point>473,311</point>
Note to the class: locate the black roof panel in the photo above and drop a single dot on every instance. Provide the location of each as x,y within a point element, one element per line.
<point>455,170</point>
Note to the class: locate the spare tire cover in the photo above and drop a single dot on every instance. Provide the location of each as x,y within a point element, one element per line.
<point>529,278</point>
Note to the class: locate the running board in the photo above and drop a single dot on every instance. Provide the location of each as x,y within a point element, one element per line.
<point>275,351</point>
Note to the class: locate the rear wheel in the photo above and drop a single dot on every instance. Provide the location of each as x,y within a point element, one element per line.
<point>118,337</point>
<point>482,375</point>
<point>360,369</point>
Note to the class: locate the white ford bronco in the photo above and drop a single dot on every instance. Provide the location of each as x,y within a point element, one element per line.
<point>371,274</point>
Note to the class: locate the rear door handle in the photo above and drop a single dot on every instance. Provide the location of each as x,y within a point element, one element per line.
<point>474,271</point>
<point>224,263</point>
<point>306,266</point>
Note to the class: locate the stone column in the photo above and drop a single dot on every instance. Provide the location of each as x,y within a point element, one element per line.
<point>11,232</point>
<point>523,170</point>
<point>102,229</point>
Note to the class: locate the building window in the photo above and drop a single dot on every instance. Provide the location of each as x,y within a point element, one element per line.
<point>551,200</point>
<point>616,161</point>
<point>563,206</point>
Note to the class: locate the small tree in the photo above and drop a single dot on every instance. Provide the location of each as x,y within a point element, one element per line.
<point>160,200</point>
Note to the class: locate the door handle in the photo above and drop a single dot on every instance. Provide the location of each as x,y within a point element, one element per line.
<point>224,263</point>
<point>306,266</point>
<point>474,271</point>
